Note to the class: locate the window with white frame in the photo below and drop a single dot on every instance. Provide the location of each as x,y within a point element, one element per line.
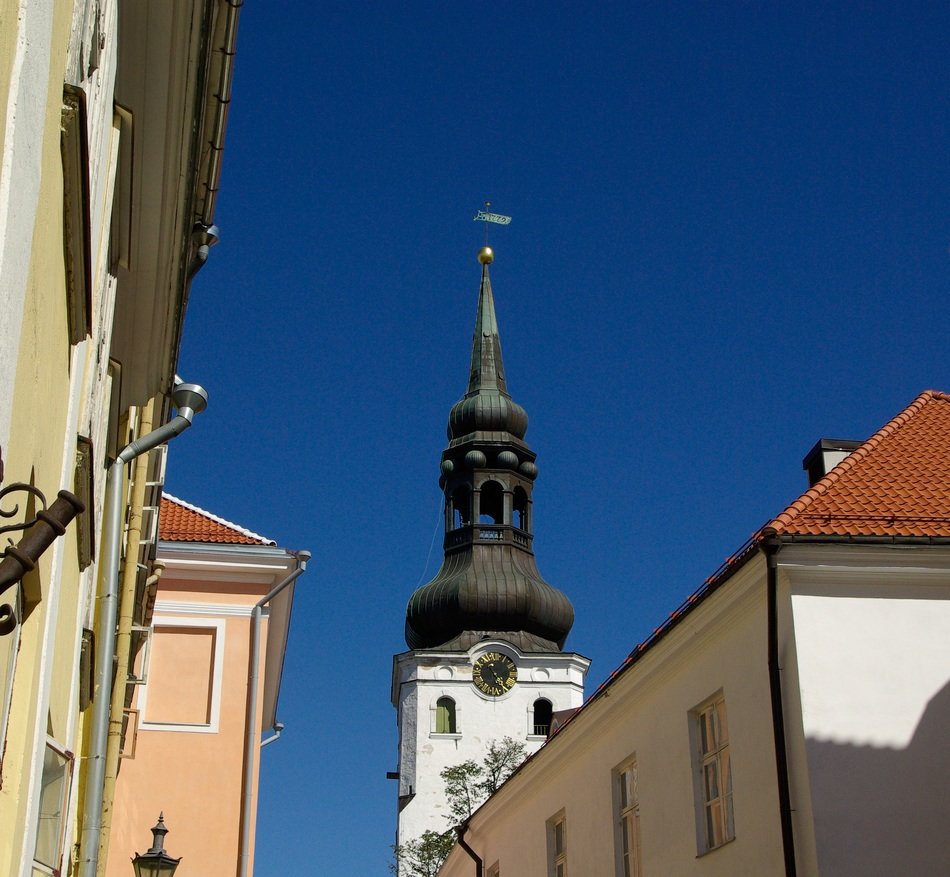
<point>557,845</point>
<point>494,870</point>
<point>541,712</point>
<point>715,818</point>
<point>628,820</point>
<point>53,795</point>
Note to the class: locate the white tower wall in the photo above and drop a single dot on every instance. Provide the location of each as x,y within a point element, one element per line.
<point>420,678</point>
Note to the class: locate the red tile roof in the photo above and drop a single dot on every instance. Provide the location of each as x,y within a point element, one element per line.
<point>896,484</point>
<point>180,521</point>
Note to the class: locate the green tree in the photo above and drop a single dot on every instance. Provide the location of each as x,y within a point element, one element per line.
<point>500,763</point>
<point>467,786</point>
<point>422,856</point>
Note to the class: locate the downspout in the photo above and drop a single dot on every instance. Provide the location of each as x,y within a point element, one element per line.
<point>252,736</point>
<point>123,640</point>
<point>479,864</point>
<point>771,548</point>
<point>189,399</point>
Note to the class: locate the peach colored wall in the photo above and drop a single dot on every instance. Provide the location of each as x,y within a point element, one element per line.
<point>193,777</point>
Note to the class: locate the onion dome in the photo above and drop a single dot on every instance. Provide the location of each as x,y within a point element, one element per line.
<point>498,594</point>
<point>489,585</point>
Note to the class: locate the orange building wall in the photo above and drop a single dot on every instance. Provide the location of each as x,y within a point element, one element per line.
<point>194,778</point>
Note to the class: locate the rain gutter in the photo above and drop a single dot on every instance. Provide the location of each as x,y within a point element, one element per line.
<point>223,97</point>
<point>252,735</point>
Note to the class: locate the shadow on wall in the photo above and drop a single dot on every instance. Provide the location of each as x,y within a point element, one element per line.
<point>882,811</point>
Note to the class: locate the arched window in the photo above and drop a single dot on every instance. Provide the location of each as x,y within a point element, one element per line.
<point>461,508</point>
<point>542,717</point>
<point>521,508</point>
<point>445,716</point>
<point>491,506</point>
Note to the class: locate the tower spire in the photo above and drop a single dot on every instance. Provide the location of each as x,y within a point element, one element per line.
<point>489,584</point>
<point>488,369</point>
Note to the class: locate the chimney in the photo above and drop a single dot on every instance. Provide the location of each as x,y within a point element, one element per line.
<point>825,455</point>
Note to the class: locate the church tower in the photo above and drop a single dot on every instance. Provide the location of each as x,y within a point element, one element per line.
<point>486,634</point>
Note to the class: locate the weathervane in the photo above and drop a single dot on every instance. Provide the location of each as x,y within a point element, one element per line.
<point>486,217</point>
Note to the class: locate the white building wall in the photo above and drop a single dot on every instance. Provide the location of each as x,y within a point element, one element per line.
<point>872,635</point>
<point>421,678</point>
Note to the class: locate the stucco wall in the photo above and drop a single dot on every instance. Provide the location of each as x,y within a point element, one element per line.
<point>423,678</point>
<point>872,634</point>
<point>721,646</point>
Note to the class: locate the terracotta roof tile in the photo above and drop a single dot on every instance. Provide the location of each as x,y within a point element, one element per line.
<point>180,521</point>
<point>896,484</point>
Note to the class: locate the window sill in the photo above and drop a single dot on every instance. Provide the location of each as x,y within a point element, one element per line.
<point>725,843</point>
<point>436,735</point>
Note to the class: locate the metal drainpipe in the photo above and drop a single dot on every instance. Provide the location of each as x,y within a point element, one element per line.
<point>479,864</point>
<point>771,549</point>
<point>251,733</point>
<point>123,641</point>
<point>190,399</point>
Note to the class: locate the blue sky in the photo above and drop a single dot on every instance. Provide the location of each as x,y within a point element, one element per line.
<point>730,239</point>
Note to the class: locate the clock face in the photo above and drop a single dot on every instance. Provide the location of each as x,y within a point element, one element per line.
<point>494,674</point>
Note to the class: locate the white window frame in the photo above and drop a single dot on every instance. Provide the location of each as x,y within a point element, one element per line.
<point>532,727</point>
<point>12,642</point>
<point>494,870</point>
<point>712,774</point>
<point>144,645</point>
<point>217,673</point>
<point>434,716</point>
<point>557,844</point>
<point>627,821</point>
<point>55,869</point>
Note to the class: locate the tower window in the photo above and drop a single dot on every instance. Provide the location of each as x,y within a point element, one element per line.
<point>491,508</point>
<point>542,717</point>
<point>445,716</point>
<point>461,508</point>
<point>521,508</point>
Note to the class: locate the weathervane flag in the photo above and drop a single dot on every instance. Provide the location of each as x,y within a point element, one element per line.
<point>482,216</point>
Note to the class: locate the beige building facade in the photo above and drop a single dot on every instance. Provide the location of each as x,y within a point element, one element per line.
<point>107,197</point>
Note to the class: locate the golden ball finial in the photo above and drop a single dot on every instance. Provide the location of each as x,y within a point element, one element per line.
<point>486,256</point>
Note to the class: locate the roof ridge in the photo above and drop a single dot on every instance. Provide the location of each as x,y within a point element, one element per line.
<point>244,531</point>
<point>800,505</point>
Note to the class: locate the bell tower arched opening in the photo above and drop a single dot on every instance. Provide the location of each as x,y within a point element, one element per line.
<point>491,505</point>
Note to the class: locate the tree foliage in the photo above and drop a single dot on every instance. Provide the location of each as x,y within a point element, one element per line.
<point>423,856</point>
<point>467,786</point>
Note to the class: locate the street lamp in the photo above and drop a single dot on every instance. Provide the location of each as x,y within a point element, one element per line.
<point>156,862</point>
